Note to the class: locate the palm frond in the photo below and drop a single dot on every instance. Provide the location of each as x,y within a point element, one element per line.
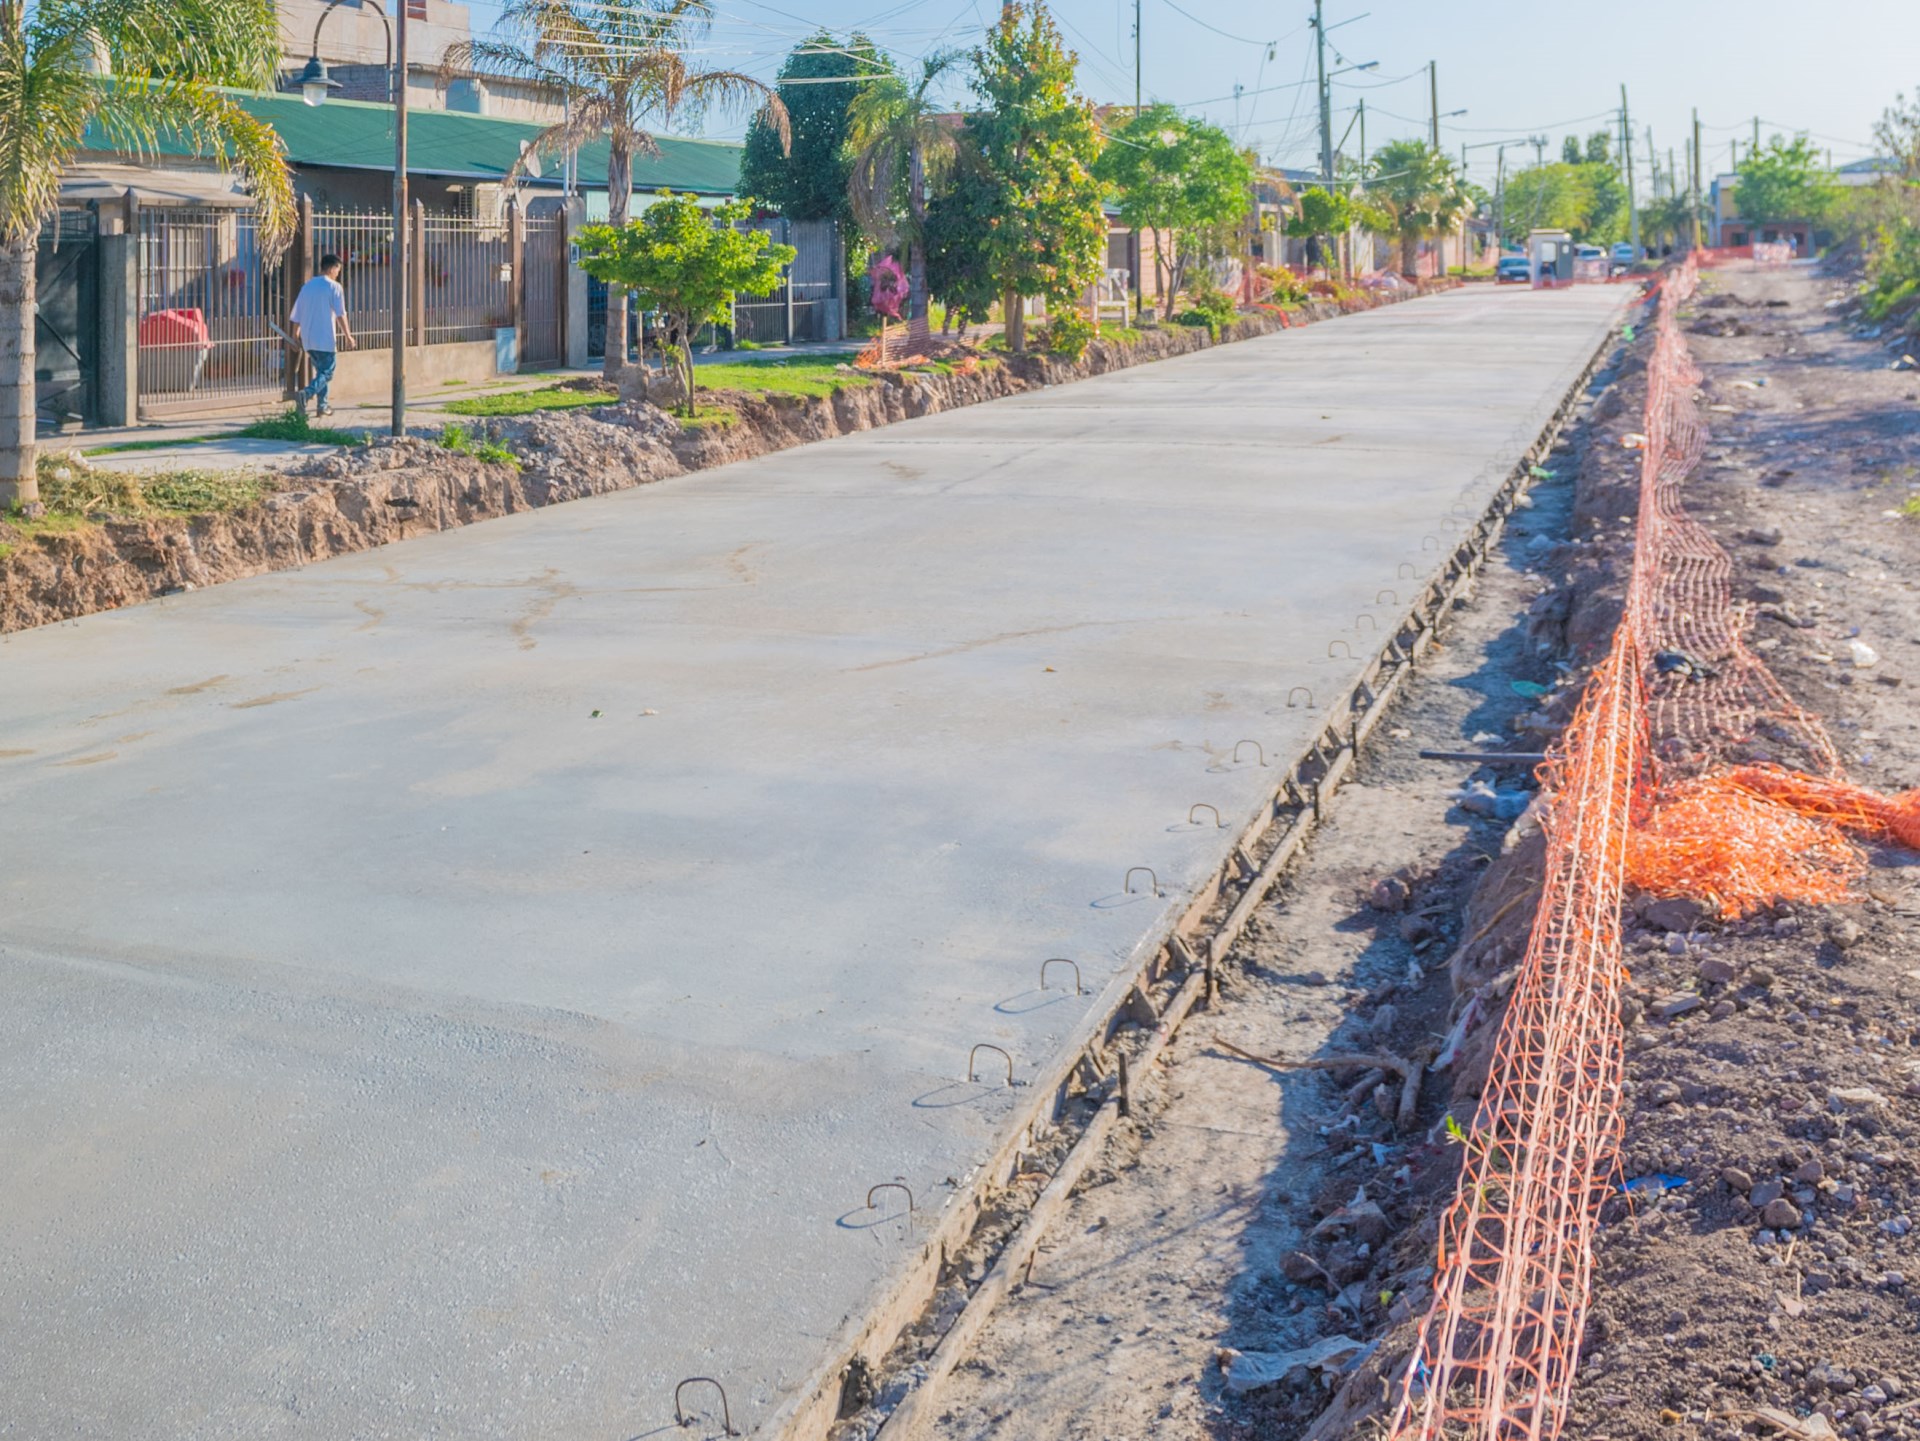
<point>46,100</point>
<point>138,112</point>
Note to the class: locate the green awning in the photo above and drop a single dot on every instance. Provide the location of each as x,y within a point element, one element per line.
<point>356,135</point>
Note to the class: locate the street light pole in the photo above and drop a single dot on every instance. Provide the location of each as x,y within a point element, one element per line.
<point>1433,102</point>
<point>1326,102</point>
<point>401,263</point>
<point>314,85</point>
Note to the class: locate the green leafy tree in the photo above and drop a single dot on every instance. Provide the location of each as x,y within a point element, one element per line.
<point>623,66</point>
<point>901,144</point>
<point>959,223</point>
<point>1600,148</point>
<point>818,84</point>
<point>1037,146</point>
<point>1570,152</point>
<point>1180,179</point>
<point>1784,181</point>
<point>135,72</point>
<point>1897,133</point>
<point>1322,214</point>
<point>1413,194</point>
<point>1586,199</point>
<point>686,262</point>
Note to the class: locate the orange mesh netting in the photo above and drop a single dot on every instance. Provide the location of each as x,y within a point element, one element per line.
<point>1678,692</point>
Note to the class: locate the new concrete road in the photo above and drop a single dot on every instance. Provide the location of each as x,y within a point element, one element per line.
<point>461,990</point>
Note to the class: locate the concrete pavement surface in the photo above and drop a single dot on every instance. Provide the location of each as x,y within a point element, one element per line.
<point>462,989</point>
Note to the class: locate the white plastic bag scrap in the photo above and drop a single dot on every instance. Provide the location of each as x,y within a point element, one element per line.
<point>1250,1370</point>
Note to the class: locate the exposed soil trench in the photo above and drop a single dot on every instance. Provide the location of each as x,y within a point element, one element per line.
<point>394,489</point>
<point>1250,1259</point>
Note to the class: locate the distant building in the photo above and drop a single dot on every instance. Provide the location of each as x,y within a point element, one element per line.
<point>1726,227</point>
<point>352,39</point>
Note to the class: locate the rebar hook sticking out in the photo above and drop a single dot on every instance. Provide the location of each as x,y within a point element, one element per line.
<point>1407,571</point>
<point>873,1191</point>
<point>1386,595</point>
<point>1343,646</point>
<point>1300,690</point>
<point>1061,961</point>
<point>1372,624</point>
<point>1259,749</point>
<point>1132,871</point>
<point>973,1075</point>
<point>1204,806</point>
<point>726,1412</point>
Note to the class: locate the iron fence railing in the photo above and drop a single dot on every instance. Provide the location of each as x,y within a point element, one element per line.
<point>211,307</point>
<point>364,243</point>
<point>466,278</point>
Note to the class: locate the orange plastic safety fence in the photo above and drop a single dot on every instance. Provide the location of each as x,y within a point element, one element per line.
<point>1496,1352</point>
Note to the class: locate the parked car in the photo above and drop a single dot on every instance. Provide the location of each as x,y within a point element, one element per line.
<point>1513,269</point>
<point>1588,252</point>
<point>1624,255</point>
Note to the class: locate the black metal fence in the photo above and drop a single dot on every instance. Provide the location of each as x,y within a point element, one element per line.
<point>66,318</point>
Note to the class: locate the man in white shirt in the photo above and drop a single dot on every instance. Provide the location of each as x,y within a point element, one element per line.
<point>320,305</point>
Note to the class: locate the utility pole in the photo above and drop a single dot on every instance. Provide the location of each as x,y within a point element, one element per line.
<point>401,264</point>
<point>1500,201</point>
<point>1697,178</point>
<point>1138,256</point>
<point>1756,135</point>
<point>1326,113</point>
<point>1433,101</point>
<point>1363,135</point>
<point>1626,149</point>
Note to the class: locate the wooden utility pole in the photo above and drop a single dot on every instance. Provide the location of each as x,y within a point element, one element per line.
<point>1626,149</point>
<point>1698,179</point>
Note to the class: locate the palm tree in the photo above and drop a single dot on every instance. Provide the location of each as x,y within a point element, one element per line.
<point>619,65</point>
<point>891,129</point>
<point>137,72</point>
<point>1413,193</point>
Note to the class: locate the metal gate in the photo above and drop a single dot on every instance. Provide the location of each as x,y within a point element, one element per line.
<point>543,294</point>
<point>211,309</point>
<point>66,323</point>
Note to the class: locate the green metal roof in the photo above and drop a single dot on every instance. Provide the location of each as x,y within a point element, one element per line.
<point>355,135</point>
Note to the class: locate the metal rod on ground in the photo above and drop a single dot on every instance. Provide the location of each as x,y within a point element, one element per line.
<point>1491,758</point>
<point>922,1404</point>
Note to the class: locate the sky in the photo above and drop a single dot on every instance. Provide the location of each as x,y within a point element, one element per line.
<point>1517,69</point>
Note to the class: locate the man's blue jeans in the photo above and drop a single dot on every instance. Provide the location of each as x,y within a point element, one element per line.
<point>316,388</point>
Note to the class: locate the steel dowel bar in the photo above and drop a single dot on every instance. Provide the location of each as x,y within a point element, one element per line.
<point>726,1413</point>
<point>1372,624</point>
<point>1386,595</point>
<point>875,1190</point>
<point>1061,961</point>
<point>1407,571</point>
<point>1258,749</point>
<point>1132,871</point>
<point>973,1075</point>
<point>1204,806</point>
<point>1343,646</point>
<point>1300,690</point>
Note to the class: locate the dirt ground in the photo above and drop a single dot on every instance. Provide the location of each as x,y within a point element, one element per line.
<point>1759,1276</point>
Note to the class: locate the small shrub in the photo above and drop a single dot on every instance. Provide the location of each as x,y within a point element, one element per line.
<point>1208,306</point>
<point>1288,288</point>
<point>1068,334</point>
<point>458,439</point>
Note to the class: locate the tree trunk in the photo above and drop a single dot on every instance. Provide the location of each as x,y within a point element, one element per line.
<point>619,190</point>
<point>18,485</point>
<point>686,366</point>
<point>1407,246</point>
<point>917,308</point>
<point>1016,316</point>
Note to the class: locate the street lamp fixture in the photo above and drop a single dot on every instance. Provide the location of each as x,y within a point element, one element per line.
<point>315,82</point>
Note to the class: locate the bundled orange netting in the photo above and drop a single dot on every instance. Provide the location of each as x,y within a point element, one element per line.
<point>1637,793</point>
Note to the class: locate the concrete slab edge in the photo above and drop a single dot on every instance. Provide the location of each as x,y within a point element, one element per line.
<point>1179,957</point>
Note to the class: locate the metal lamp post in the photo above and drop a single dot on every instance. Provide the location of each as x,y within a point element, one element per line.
<point>314,85</point>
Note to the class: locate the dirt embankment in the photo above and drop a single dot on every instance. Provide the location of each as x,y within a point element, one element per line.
<point>394,489</point>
